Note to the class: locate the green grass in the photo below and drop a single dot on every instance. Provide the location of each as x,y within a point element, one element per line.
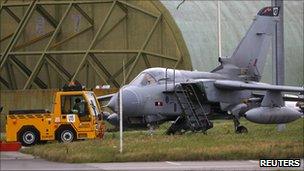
<point>221,143</point>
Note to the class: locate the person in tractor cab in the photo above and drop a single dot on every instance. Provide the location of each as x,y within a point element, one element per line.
<point>79,109</point>
<point>76,107</point>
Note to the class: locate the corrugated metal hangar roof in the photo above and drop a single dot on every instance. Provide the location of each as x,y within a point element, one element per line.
<point>45,44</point>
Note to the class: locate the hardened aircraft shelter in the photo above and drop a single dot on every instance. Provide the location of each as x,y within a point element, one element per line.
<point>45,44</point>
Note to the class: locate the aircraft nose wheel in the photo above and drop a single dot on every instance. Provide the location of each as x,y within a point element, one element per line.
<point>241,130</point>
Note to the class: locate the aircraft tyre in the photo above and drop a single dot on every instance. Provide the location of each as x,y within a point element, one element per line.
<point>241,130</point>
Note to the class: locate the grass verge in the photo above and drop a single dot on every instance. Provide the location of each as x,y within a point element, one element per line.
<point>221,143</point>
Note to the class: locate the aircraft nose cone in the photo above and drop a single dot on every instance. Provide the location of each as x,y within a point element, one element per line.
<point>113,103</point>
<point>130,102</point>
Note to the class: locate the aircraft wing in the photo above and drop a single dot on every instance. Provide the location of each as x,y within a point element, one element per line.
<point>239,85</point>
<point>286,97</point>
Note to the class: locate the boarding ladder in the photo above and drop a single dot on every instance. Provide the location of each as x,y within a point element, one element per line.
<point>192,109</point>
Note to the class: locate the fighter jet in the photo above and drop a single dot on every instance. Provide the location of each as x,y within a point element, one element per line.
<point>232,90</point>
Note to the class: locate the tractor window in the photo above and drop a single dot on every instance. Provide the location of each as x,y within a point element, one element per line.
<point>75,105</point>
<point>93,103</point>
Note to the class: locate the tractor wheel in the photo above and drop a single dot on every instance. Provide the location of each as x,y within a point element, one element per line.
<point>66,136</point>
<point>29,137</point>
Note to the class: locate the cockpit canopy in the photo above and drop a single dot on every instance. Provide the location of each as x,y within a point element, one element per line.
<point>153,76</point>
<point>143,79</point>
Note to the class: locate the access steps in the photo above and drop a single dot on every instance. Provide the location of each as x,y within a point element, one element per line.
<point>193,115</point>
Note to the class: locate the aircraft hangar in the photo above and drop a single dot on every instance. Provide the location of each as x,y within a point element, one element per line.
<point>45,44</point>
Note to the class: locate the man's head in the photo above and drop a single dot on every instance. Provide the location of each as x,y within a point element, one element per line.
<point>77,100</point>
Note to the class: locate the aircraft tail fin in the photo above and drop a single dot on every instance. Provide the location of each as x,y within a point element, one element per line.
<point>250,54</point>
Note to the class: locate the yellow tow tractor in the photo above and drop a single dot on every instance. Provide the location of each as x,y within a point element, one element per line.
<point>76,115</point>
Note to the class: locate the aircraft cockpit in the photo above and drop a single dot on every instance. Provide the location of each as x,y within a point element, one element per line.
<point>144,79</point>
<point>155,76</point>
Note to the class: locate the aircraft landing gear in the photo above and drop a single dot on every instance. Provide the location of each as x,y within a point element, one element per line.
<point>239,129</point>
<point>235,111</point>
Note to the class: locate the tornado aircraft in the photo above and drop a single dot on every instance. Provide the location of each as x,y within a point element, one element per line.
<point>191,99</point>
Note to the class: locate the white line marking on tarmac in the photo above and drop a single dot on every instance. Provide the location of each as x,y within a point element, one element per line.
<point>174,163</point>
<point>253,161</point>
